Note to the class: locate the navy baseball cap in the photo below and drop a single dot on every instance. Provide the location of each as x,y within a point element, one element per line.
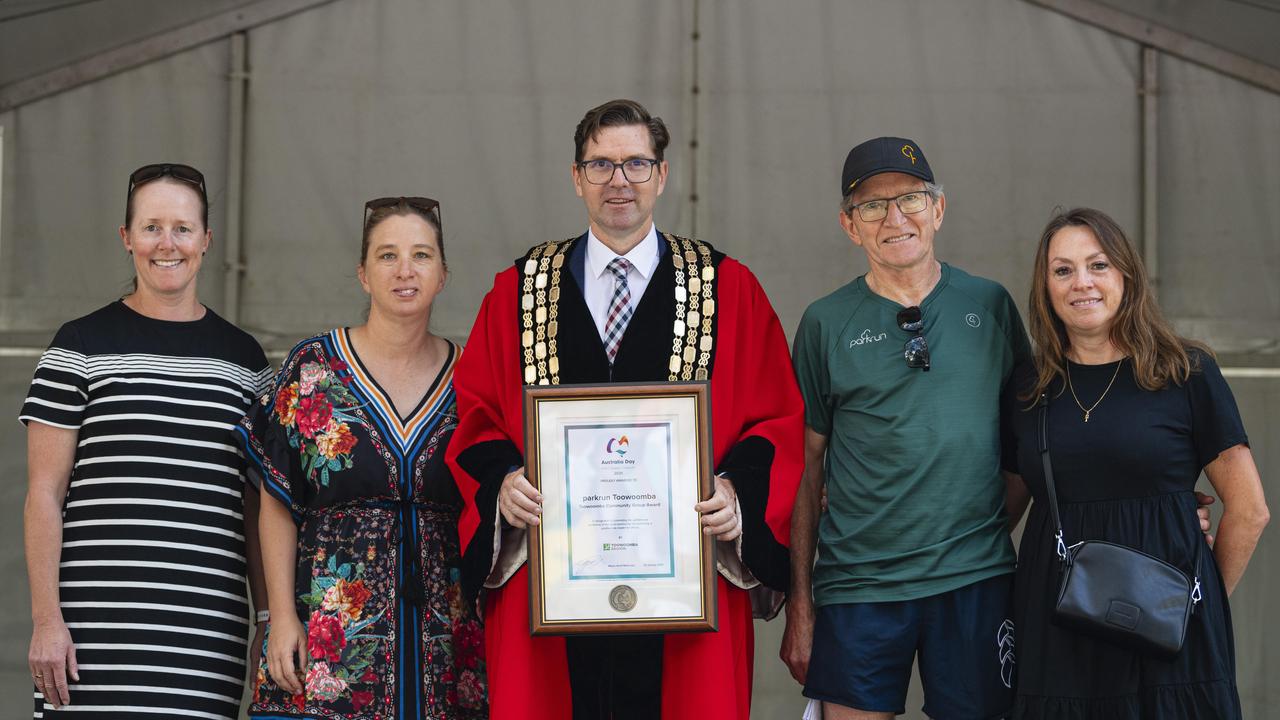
<point>883,154</point>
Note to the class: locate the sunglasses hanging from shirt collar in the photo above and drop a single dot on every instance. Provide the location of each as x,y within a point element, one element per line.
<point>916,349</point>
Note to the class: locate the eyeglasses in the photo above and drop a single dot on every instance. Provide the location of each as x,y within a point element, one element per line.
<point>916,351</point>
<point>909,203</point>
<point>636,170</point>
<point>177,171</point>
<point>422,204</point>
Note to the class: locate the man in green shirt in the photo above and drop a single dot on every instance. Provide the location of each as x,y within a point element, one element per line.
<point>901,372</point>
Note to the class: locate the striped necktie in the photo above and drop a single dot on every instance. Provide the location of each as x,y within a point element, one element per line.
<point>619,307</point>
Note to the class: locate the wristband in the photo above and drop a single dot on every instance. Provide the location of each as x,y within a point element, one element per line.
<point>262,616</point>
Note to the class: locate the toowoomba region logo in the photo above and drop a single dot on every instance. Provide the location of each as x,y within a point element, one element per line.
<point>617,446</point>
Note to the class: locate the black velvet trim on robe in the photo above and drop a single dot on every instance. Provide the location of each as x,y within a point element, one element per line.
<point>748,465</point>
<point>488,462</point>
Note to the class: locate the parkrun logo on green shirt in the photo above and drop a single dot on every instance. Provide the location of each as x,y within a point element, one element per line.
<point>866,337</point>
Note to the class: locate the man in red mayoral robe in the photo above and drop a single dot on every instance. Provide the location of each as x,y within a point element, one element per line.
<point>625,303</point>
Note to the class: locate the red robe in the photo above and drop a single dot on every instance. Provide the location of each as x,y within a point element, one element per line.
<point>757,438</point>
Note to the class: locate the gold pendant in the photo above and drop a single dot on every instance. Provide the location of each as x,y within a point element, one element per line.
<point>1086,416</point>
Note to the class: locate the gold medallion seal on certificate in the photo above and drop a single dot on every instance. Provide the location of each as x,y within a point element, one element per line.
<point>622,598</point>
<point>620,547</point>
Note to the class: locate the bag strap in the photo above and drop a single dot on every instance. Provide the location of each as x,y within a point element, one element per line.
<point>1051,489</point>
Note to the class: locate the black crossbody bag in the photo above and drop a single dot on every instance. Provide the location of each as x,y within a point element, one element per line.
<point>1114,592</point>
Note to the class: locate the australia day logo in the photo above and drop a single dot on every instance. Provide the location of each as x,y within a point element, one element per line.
<point>617,446</point>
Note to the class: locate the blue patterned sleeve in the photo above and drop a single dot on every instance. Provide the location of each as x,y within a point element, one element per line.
<point>272,459</point>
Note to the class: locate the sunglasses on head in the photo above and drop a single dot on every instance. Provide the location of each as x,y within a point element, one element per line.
<point>916,350</point>
<point>422,204</point>
<point>177,171</point>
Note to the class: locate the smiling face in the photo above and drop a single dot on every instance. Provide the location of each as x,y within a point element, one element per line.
<point>899,241</point>
<point>403,270</point>
<point>620,211</point>
<point>1085,289</point>
<point>167,238</point>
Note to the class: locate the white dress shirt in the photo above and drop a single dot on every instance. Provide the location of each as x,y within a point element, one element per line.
<point>599,281</point>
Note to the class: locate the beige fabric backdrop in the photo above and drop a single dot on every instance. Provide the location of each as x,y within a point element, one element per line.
<point>1019,110</point>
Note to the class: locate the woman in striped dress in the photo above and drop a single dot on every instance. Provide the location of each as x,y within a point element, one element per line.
<point>136,534</point>
<point>360,513</point>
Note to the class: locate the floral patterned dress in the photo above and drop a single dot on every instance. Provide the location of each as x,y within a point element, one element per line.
<point>377,583</point>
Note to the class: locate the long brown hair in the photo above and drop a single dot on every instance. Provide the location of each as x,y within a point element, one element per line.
<point>1139,330</point>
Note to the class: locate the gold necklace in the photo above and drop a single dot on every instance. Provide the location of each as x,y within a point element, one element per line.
<point>1088,410</point>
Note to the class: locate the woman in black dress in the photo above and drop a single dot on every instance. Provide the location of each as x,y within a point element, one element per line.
<point>139,532</point>
<point>1135,414</point>
<point>360,512</point>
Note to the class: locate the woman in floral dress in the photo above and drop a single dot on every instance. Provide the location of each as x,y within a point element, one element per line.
<point>359,521</point>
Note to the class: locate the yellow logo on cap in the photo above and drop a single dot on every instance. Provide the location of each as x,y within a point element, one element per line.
<point>909,152</point>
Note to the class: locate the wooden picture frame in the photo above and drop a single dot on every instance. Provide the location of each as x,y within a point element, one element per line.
<point>620,548</point>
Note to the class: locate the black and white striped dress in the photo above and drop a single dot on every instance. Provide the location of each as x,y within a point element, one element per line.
<point>152,578</point>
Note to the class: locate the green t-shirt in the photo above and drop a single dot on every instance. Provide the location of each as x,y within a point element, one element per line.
<point>915,497</point>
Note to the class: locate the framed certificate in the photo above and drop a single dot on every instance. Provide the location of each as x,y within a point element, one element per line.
<point>620,548</point>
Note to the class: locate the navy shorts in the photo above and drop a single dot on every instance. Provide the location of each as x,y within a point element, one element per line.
<point>862,653</point>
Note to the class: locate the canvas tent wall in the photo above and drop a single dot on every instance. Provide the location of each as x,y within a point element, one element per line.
<point>1020,108</point>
